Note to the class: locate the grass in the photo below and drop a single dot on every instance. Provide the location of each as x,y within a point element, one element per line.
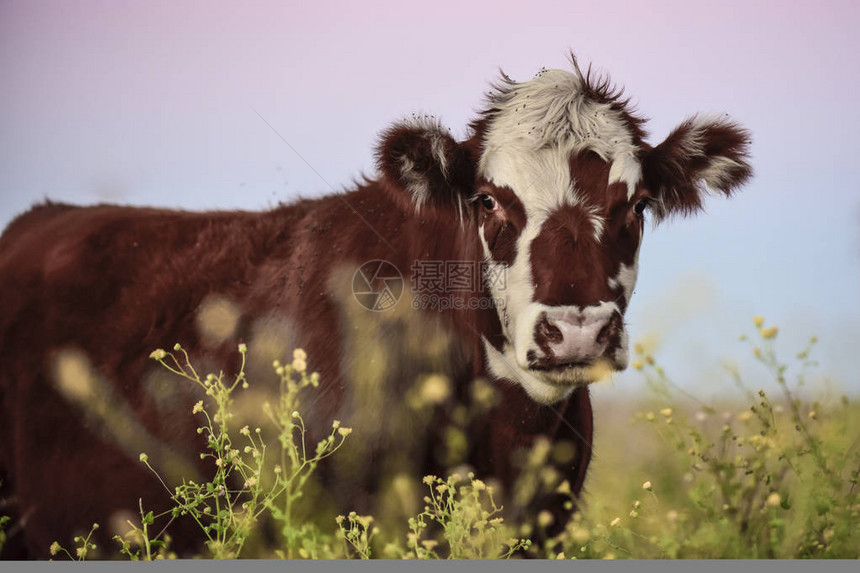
<point>766,477</point>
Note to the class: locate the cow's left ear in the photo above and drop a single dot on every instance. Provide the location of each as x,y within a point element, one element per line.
<point>703,153</point>
<point>422,163</point>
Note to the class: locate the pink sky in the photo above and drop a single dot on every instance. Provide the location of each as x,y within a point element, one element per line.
<point>154,103</point>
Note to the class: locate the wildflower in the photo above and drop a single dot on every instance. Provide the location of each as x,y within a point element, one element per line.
<point>299,365</point>
<point>250,482</point>
<point>55,548</point>
<point>560,556</point>
<point>158,354</point>
<point>757,352</point>
<point>177,347</point>
<point>339,519</point>
<point>813,415</point>
<point>638,348</point>
<point>144,458</point>
<point>243,348</point>
<point>745,416</point>
<point>637,364</point>
<point>545,518</point>
<point>650,416</point>
<point>758,320</point>
<point>666,412</point>
<point>581,534</point>
<point>219,462</point>
<point>429,479</point>
<point>646,486</point>
<point>634,514</point>
<point>615,522</point>
<point>344,431</point>
<point>441,488</point>
<point>769,332</point>
<point>198,407</point>
<point>478,485</point>
<point>245,431</point>
<point>299,354</point>
<point>277,469</point>
<point>276,364</point>
<point>435,390</point>
<point>335,424</point>
<point>81,552</point>
<point>774,499</point>
<point>496,521</point>
<point>636,504</point>
<point>429,544</point>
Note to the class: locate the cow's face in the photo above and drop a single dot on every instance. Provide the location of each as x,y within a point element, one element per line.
<point>557,180</point>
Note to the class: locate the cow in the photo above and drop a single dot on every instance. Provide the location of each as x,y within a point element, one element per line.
<point>502,263</point>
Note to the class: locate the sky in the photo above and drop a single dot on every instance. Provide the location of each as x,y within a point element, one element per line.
<point>167,104</point>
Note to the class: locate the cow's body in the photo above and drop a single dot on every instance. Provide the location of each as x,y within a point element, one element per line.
<point>98,288</point>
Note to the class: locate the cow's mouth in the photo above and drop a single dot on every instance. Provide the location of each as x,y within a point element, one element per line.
<point>574,373</point>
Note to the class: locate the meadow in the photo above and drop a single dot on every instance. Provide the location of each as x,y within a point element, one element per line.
<point>769,476</point>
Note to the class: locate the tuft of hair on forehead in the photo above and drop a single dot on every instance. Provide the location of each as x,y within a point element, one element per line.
<point>562,106</point>
<point>570,111</point>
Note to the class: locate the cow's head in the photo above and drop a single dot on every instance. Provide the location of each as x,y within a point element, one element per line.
<point>557,180</point>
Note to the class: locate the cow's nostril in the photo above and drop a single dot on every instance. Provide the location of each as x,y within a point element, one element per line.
<point>604,334</point>
<point>548,332</point>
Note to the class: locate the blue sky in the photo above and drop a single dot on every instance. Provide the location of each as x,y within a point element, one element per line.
<point>156,104</point>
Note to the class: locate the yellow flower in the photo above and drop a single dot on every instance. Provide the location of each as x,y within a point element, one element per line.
<point>545,518</point>
<point>299,365</point>
<point>637,364</point>
<point>615,522</point>
<point>198,407</point>
<point>646,486</point>
<point>666,412</point>
<point>769,332</point>
<point>774,499</point>
<point>55,548</point>
<point>758,320</point>
<point>299,354</point>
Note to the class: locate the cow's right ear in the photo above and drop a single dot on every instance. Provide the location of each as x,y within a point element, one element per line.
<point>422,163</point>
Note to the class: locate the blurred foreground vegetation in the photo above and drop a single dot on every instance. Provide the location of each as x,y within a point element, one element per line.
<point>772,476</point>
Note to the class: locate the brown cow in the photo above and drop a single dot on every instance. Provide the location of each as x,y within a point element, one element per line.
<point>519,251</point>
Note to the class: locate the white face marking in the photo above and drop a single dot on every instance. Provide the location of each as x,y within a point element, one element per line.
<point>539,125</point>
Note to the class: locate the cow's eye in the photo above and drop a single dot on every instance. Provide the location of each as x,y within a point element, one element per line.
<point>488,202</point>
<point>640,207</point>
